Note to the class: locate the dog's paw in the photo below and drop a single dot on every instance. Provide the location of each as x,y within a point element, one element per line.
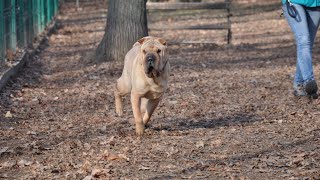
<point>119,112</point>
<point>139,130</point>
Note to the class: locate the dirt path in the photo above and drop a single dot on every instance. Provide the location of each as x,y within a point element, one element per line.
<point>229,112</point>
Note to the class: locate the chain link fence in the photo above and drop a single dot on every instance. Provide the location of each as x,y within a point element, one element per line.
<point>21,21</point>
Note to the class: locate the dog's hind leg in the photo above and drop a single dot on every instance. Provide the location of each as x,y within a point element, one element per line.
<point>122,88</point>
<point>143,106</point>
<point>150,107</point>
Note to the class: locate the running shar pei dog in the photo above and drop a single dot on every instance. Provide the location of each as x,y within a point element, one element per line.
<point>145,75</point>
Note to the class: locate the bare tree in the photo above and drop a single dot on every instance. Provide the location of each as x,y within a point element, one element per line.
<point>126,23</point>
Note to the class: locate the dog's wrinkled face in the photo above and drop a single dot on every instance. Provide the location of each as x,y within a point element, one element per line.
<point>153,51</point>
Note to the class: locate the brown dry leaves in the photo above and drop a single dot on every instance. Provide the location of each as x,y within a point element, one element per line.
<point>229,112</point>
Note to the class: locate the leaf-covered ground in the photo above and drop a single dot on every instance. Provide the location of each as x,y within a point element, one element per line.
<point>229,112</point>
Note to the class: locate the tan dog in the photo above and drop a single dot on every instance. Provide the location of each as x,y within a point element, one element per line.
<point>145,75</point>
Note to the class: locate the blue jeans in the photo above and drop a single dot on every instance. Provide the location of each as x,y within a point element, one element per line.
<point>304,26</point>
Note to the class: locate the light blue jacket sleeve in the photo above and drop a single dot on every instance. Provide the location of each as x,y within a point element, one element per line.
<point>307,3</point>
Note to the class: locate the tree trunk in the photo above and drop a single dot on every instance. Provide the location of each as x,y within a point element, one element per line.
<point>126,23</point>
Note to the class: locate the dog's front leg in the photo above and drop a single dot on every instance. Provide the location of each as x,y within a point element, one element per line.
<point>136,103</point>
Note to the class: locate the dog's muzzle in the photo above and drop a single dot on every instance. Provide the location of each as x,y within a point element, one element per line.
<point>151,66</point>
<point>150,61</point>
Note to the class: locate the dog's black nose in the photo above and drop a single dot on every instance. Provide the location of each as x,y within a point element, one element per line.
<point>150,60</point>
<point>150,64</point>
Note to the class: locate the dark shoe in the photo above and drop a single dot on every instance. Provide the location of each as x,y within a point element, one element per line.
<point>311,89</point>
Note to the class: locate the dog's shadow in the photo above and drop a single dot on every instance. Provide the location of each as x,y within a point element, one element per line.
<point>181,124</point>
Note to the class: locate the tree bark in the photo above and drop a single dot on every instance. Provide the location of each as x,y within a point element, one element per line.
<point>126,23</point>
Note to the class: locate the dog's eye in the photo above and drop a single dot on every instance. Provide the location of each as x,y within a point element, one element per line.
<point>144,51</point>
<point>159,51</point>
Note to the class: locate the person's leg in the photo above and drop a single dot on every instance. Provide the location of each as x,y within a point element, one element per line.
<point>300,28</point>
<point>313,18</point>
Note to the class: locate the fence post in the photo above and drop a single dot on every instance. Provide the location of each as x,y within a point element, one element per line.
<point>77,4</point>
<point>2,31</point>
<point>12,27</point>
<point>44,13</point>
<point>21,24</point>
<point>52,8</point>
<point>47,11</point>
<point>41,15</point>
<point>228,2</point>
<point>34,17</point>
<point>55,7</point>
<point>29,22</point>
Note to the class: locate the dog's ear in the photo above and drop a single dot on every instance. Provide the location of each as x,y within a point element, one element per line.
<point>143,39</point>
<point>162,41</point>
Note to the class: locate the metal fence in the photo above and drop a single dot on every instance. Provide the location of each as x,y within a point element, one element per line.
<point>23,20</point>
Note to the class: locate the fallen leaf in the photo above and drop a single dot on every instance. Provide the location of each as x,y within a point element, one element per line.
<point>144,168</point>
<point>122,156</point>
<point>8,114</point>
<point>4,176</point>
<point>3,150</point>
<point>87,178</point>
<point>200,144</point>
<point>24,163</point>
<point>171,151</point>
<point>111,157</point>
<point>8,164</point>
<point>87,146</point>
<point>111,141</point>
<point>216,142</point>
<point>103,129</point>
<point>98,172</point>
<point>31,133</point>
<point>10,55</point>
<point>86,166</point>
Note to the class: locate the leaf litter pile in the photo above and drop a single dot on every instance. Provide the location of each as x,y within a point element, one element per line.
<point>229,112</point>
